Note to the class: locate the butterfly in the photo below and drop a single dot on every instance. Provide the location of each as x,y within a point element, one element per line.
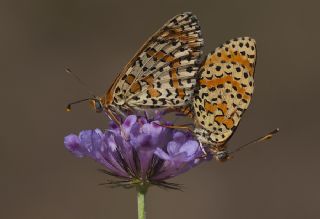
<point>225,88</point>
<point>161,74</point>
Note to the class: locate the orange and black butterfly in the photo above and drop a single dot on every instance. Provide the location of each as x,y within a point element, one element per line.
<point>162,72</point>
<point>225,88</point>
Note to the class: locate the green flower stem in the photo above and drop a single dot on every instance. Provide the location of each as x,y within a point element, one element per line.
<point>142,191</point>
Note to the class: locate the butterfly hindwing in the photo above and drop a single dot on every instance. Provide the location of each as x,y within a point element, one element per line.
<point>225,88</point>
<point>162,73</point>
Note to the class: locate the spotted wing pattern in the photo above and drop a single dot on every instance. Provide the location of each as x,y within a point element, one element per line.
<point>226,88</point>
<point>162,73</point>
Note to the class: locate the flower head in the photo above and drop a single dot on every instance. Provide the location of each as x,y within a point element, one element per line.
<point>141,152</point>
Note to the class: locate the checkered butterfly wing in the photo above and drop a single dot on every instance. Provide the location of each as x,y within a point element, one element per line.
<point>226,88</point>
<point>162,72</point>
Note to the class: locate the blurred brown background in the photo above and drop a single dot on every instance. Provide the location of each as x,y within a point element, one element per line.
<point>40,179</point>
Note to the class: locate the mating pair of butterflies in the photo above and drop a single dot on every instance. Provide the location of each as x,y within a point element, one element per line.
<point>166,73</point>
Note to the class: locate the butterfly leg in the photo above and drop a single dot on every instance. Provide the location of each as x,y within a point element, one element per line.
<point>116,120</point>
<point>205,154</point>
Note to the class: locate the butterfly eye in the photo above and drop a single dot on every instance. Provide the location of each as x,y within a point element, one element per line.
<point>96,105</point>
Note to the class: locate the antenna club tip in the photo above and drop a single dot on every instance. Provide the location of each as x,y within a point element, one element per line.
<point>68,70</point>
<point>68,108</point>
<point>275,131</point>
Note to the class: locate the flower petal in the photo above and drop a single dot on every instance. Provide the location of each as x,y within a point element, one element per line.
<point>142,142</point>
<point>179,137</point>
<point>85,140</point>
<point>72,143</point>
<point>173,148</point>
<point>129,122</point>
<point>190,147</point>
<point>161,154</point>
<point>142,150</point>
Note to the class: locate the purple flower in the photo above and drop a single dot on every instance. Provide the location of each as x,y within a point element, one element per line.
<point>141,152</point>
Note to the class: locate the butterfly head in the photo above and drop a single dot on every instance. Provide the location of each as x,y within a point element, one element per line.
<point>96,104</point>
<point>222,156</point>
<point>215,148</point>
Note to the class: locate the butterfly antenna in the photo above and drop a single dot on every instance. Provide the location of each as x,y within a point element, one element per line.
<point>68,108</point>
<point>76,77</point>
<point>260,139</point>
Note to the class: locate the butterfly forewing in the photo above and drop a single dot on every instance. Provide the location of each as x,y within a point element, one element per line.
<point>225,88</point>
<point>162,73</point>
